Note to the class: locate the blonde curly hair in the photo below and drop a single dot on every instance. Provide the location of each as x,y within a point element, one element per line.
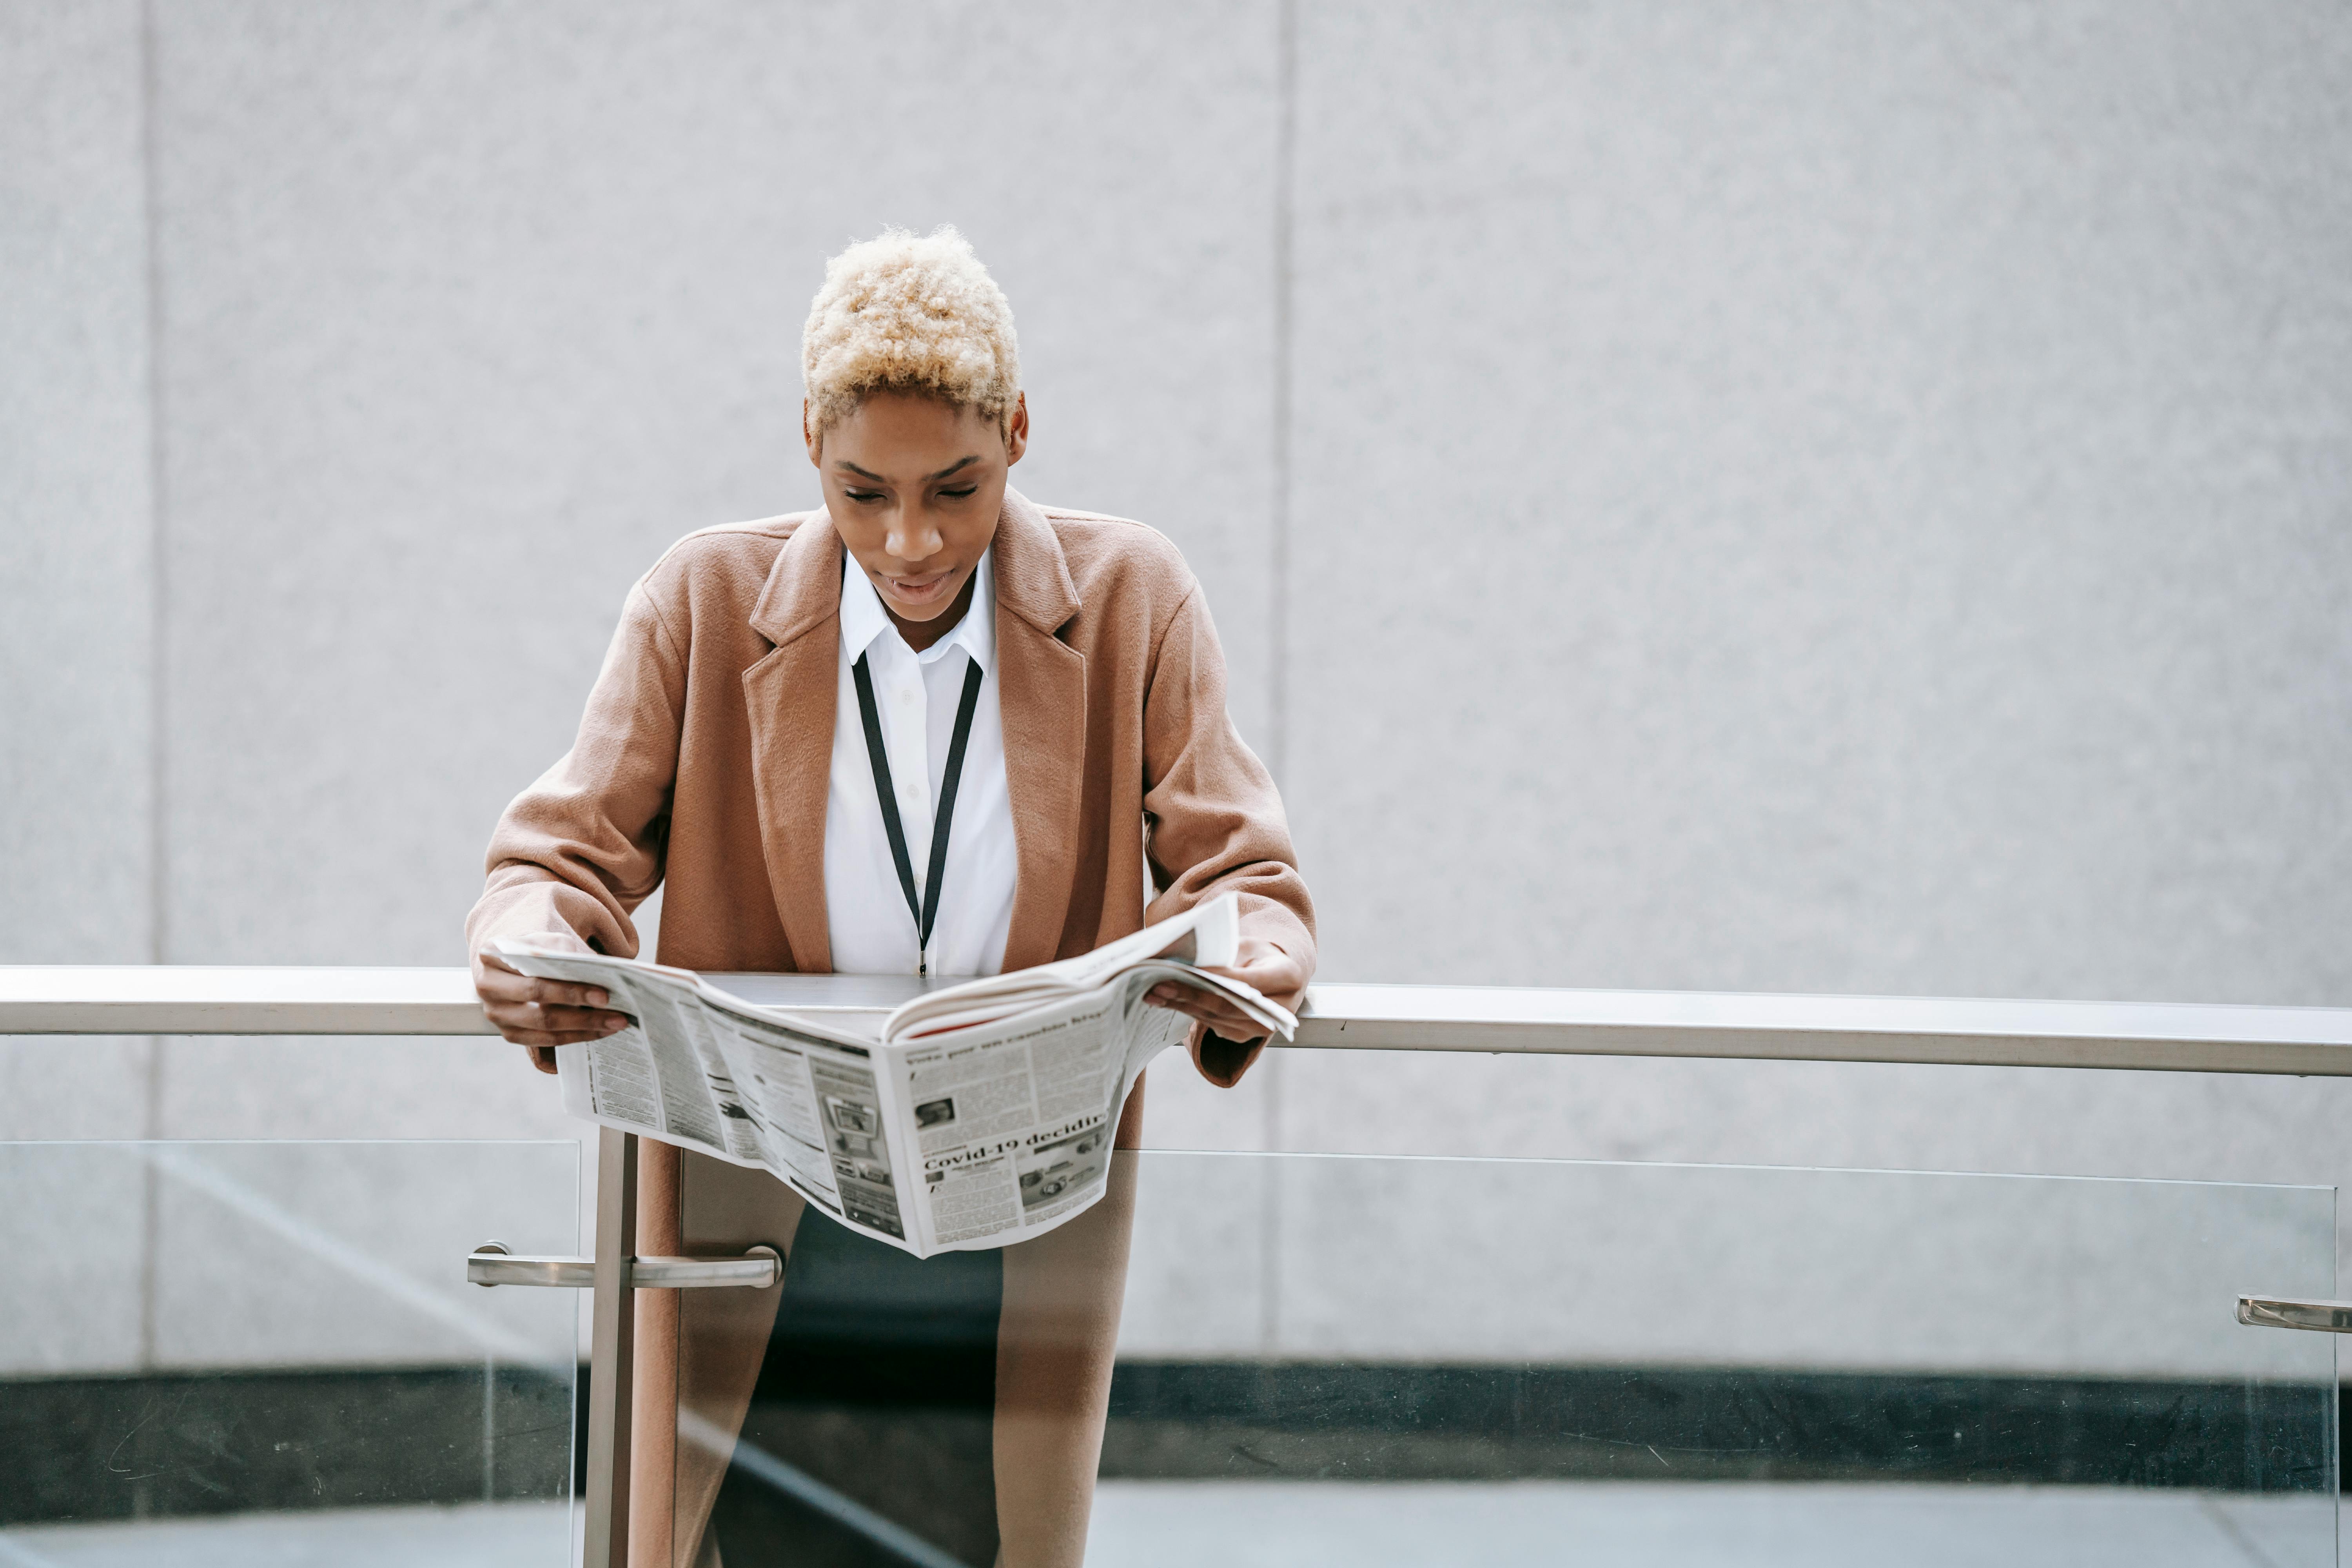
<point>903,313</point>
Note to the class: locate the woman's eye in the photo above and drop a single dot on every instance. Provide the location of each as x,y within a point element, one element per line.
<point>863,495</point>
<point>964,494</point>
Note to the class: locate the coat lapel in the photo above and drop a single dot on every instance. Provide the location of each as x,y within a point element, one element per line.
<point>1041,689</point>
<point>788,696</point>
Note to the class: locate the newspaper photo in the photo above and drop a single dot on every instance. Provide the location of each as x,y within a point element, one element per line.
<point>975,1116</point>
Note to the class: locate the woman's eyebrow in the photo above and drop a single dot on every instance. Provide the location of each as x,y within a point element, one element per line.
<point>869,474</point>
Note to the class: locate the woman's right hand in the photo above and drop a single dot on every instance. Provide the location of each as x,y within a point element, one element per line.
<point>540,1014</point>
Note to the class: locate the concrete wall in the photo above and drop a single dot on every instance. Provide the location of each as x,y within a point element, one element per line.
<point>1423,1260</point>
<point>1837,498</point>
<point>76,530</point>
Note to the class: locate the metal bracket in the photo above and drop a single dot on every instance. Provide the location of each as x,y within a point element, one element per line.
<point>758,1269</point>
<point>2320,1317</point>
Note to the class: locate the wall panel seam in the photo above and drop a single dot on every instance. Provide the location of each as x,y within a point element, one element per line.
<point>158,824</point>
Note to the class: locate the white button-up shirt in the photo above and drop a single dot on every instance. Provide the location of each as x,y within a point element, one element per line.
<point>916,696</point>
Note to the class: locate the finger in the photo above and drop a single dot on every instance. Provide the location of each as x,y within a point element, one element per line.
<point>524,1009</point>
<point>567,1020</point>
<point>580,1020</point>
<point>547,1038</point>
<point>584,1022</point>
<point>1265,980</point>
<point>567,993</point>
<point>1289,991</point>
<point>1179,990</point>
<point>521,991</point>
<point>524,988</point>
<point>574,995</point>
<point>1274,973</point>
<point>503,985</point>
<point>1180,999</point>
<point>541,1057</point>
<point>1228,1020</point>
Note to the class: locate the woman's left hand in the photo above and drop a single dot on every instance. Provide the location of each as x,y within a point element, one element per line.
<point>1277,975</point>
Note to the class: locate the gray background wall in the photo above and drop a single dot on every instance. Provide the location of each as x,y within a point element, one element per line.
<point>1806,498</point>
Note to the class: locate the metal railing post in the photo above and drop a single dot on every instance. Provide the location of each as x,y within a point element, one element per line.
<point>611,1356</point>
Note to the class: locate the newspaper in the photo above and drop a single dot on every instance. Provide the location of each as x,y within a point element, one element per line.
<point>976,1116</point>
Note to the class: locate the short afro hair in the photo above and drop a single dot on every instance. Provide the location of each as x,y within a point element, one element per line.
<point>903,313</point>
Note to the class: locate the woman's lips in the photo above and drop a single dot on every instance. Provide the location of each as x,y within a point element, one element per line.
<point>919,590</point>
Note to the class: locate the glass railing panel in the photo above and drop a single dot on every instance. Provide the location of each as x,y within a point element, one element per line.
<point>1390,1362</point>
<point>268,1352</point>
<point>880,1409</point>
<point>1400,1360</point>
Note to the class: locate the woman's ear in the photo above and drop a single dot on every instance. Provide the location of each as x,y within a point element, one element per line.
<point>811,434</point>
<point>1016,431</point>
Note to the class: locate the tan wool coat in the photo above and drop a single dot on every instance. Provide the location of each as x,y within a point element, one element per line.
<point>702,766</point>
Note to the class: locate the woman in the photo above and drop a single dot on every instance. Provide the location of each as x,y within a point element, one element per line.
<point>1039,691</point>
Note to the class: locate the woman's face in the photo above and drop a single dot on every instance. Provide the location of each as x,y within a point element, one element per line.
<point>914,486</point>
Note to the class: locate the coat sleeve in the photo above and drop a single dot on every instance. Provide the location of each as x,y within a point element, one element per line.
<point>582,848</point>
<point>1215,821</point>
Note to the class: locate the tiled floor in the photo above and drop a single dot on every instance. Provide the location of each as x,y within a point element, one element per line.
<point>1277,1525</point>
<point>1162,1524</point>
<point>471,1535</point>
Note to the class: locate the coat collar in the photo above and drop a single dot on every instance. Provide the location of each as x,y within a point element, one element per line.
<point>790,696</point>
<point>1033,578</point>
<point>1043,695</point>
<point>804,587</point>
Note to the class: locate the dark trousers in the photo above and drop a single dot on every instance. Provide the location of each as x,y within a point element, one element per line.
<point>879,1387</point>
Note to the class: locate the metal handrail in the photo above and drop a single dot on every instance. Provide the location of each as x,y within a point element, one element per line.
<point>490,1264</point>
<point>2161,1037</point>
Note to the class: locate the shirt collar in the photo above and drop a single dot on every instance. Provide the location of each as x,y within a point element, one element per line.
<point>863,618</point>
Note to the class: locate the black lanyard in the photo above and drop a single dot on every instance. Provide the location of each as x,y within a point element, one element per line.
<point>928,911</point>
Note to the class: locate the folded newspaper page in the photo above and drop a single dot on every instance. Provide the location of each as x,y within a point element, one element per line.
<point>976,1116</point>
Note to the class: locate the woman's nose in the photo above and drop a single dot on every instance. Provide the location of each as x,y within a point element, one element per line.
<point>912,539</point>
